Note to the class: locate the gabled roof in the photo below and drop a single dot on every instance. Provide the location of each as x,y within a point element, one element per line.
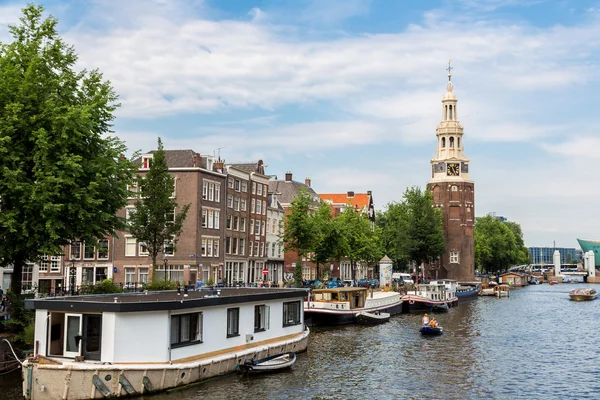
<point>359,199</point>
<point>256,167</point>
<point>175,158</point>
<point>289,190</point>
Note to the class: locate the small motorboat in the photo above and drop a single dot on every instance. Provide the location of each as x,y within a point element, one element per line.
<point>372,318</point>
<point>268,364</point>
<point>552,283</point>
<point>427,330</point>
<point>582,294</point>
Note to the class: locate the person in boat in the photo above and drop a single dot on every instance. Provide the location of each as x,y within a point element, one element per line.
<point>433,323</point>
<point>425,320</point>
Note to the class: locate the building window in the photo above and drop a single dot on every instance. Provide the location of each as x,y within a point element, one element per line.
<point>233,322</point>
<point>204,190</point>
<point>27,277</point>
<point>133,190</point>
<point>256,245</point>
<point>237,185</point>
<point>234,250</point>
<point>264,203</point>
<point>236,223</point>
<point>258,206</point>
<point>217,192</point>
<point>454,188</point>
<point>128,212</point>
<point>230,183</point>
<point>130,244</point>
<point>143,275</point>
<point>236,204</point>
<point>266,191</point>
<point>242,246</point>
<point>272,250</point>
<point>252,206</point>
<point>204,218</point>
<point>88,252</point>
<point>250,248</point>
<point>76,250</point>
<point>228,245</point>
<point>217,215</point>
<point>146,161</point>
<point>230,201</point>
<point>216,248</point>
<point>169,248</point>
<point>211,191</point>
<point>229,221</point>
<point>211,219</point>
<point>244,186</point>
<point>129,276</point>
<point>243,224</point>
<point>103,249</point>
<point>454,257</point>
<point>143,249</point>
<point>173,273</point>
<point>257,227</point>
<point>253,187</point>
<point>243,204</point>
<point>291,313</point>
<point>259,191</point>
<point>261,318</point>
<point>251,226</point>
<point>186,329</point>
<point>262,249</point>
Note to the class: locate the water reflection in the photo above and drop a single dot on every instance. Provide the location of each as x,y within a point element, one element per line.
<point>535,344</point>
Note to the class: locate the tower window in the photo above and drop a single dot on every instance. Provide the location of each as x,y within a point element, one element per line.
<point>451,115</point>
<point>443,142</point>
<point>454,257</point>
<point>451,142</point>
<point>458,142</point>
<point>454,189</point>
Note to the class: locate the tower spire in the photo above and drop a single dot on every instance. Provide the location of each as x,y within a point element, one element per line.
<point>449,69</point>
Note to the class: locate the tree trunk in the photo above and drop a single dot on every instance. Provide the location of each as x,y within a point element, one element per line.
<point>17,276</point>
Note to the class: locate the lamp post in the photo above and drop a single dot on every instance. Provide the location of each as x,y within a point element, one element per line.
<point>72,274</point>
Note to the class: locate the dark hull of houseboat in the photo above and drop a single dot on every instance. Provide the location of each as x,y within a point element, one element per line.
<point>470,293</point>
<point>318,317</point>
<point>418,305</point>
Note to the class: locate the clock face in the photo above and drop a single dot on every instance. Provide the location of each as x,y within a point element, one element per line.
<point>453,169</point>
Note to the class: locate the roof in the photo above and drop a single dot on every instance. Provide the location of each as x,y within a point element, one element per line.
<point>360,199</point>
<point>164,300</point>
<point>256,167</point>
<point>174,158</point>
<point>342,289</point>
<point>289,190</point>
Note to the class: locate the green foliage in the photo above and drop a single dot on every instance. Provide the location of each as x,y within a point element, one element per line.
<point>61,176</point>
<point>106,286</point>
<point>20,318</point>
<point>412,230</point>
<point>157,219</point>
<point>298,274</point>
<point>299,232</point>
<point>329,241</point>
<point>210,282</point>
<point>498,245</point>
<point>160,285</point>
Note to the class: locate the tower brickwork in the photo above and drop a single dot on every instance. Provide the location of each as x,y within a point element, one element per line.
<point>453,192</point>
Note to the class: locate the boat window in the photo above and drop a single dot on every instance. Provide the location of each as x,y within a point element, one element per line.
<point>292,313</point>
<point>334,296</point>
<point>186,329</point>
<point>327,296</point>
<point>318,296</point>
<point>233,322</point>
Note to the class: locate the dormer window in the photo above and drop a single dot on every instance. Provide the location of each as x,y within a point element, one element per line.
<point>146,161</point>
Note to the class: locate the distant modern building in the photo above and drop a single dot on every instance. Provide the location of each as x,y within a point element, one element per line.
<point>543,255</point>
<point>498,217</point>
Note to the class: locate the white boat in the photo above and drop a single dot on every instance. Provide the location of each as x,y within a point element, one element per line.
<point>582,294</point>
<point>502,291</point>
<point>268,364</point>
<point>133,344</point>
<point>487,289</point>
<point>372,318</point>
<point>430,297</point>
<point>337,306</point>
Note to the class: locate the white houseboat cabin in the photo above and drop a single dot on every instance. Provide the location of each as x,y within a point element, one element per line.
<point>129,344</point>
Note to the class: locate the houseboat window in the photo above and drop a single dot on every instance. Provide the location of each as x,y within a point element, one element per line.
<point>291,313</point>
<point>326,296</point>
<point>186,329</point>
<point>233,322</point>
<point>261,318</point>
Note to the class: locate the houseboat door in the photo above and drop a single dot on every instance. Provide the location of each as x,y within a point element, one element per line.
<point>72,344</point>
<point>92,336</point>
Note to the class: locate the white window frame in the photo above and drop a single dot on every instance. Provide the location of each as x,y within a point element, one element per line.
<point>143,249</point>
<point>259,190</point>
<point>204,190</point>
<point>169,243</point>
<point>454,257</point>
<point>217,192</point>
<point>130,243</point>
<point>243,204</point>
<point>211,191</point>
<point>98,256</point>
<point>230,201</point>
<point>244,186</point>
<point>142,275</point>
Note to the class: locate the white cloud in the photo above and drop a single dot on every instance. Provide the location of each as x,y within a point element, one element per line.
<point>586,147</point>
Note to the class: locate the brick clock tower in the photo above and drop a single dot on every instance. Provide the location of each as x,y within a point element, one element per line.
<point>453,193</point>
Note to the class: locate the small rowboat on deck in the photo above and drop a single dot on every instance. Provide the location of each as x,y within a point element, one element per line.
<point>372,318</point>
<point>268,364</point>
<point>427,330</point>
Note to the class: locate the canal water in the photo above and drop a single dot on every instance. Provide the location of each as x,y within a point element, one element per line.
<point>537,344</point>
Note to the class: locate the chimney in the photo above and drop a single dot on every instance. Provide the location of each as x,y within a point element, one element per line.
<point>368,192</point>
<point>307,181</point>
<point>288,176</point>
<point>350,194</point>
<point>218,165</point>
<point>197,160</point>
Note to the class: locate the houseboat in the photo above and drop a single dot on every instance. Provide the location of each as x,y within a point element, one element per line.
<point>495,290</point>
<point>467,290</point>
<point>118,345</point>
<point>487,289</point>
<point>429,297</point>
<point>338,306</point>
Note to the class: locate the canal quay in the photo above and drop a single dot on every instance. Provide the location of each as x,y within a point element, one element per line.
<point>536,344</point>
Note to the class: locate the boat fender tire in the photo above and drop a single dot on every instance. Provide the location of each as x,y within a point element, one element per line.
<point>411,302</point>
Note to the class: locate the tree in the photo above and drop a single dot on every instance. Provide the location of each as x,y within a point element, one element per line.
<point>360,241</point>
<point>156,221</point>
<point>522,251</point>
<point>62,177</point>
<point>329,241</point>
<point>425,226</point>
<point>395,242</point>
<point>496,245</point>
<point>299,230</point>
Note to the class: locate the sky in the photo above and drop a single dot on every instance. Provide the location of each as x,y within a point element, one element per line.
<point>348,92</point>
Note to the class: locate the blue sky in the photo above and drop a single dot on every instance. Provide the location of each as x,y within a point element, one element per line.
<point>347,92</point>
